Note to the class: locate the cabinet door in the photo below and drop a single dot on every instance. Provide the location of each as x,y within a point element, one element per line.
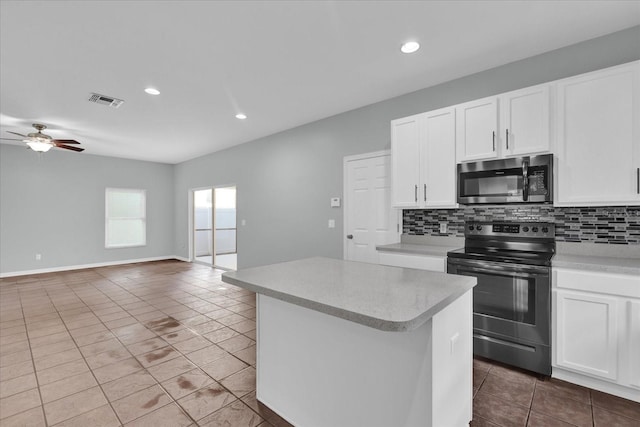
<point>476,128</point>
<point>405,161</point>
<point>586,336</point>
<point>524,121</point>
<point>438,159</point>
<point>598,138</point>
<point>633,341</point>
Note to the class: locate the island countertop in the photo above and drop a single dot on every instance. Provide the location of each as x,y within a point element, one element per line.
<point>381,297</point>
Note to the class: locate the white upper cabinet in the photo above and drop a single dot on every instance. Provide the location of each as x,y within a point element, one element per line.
<point>598,138</point>
<point>476,130</point>
<point>423,171</point>
<point>511,124</point>
<point>438,159</point>
<point>405,164</point>
<point>524,121</point>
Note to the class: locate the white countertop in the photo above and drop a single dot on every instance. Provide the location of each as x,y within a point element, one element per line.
<point>605,258</point>
<point>382,297</point>
<point>424,245</point>
<point>417,249</point>
<point>620,259</point>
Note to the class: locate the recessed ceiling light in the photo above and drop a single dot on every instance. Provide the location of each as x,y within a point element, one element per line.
<point>241,116</point>
<point>410,47</point>
<point>152,91</point>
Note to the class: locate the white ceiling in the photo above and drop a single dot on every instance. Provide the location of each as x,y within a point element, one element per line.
<point>283,63</point>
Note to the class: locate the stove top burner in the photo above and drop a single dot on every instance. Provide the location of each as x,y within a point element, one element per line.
<point>530,243</point>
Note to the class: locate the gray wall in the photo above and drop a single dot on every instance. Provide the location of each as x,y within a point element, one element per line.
<point>285,180</point>
<point>53,204</point>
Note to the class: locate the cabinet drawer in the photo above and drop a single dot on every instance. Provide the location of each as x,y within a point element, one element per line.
<point>591,281</point>
<point>421,262</point>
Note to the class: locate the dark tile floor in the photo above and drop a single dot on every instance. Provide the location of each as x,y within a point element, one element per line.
<point>169,344</point>
<point>506,396</point>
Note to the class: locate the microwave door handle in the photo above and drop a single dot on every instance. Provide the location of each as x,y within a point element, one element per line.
<point>525,180</point>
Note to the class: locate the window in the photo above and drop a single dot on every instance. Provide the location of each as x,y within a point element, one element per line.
<point>125,218</point>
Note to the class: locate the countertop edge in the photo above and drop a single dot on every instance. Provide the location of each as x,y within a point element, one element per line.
<point>376,323</point>
<point>416,249</point>
<point>595,266</point>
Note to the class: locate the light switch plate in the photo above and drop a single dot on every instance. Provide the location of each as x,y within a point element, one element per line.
<point>335,202</point>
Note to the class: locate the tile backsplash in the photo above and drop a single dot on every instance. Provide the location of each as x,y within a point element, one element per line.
<point>614,225</point>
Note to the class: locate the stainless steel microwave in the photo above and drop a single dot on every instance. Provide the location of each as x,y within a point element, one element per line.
<point>516,180</point>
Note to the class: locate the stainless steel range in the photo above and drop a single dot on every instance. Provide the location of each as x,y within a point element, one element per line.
<point>512,301</point>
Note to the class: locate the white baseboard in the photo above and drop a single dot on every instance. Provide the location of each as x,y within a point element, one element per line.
<point>596,384</point>
<point>93,265</point>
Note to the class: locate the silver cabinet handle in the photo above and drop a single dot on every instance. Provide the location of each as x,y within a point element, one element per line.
<point>349,236</point>
<point>638,180</point>
<point>494,140</point>
<point>416,193</point>
<point>507,132</point>
<point>425,192</point>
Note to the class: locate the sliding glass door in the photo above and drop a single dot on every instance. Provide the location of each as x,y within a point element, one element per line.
<point>214,227</point>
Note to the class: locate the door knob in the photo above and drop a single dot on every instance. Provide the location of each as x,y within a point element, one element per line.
<point>349,236</point>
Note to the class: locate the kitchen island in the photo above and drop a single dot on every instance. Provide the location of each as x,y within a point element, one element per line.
<point>343,343</point>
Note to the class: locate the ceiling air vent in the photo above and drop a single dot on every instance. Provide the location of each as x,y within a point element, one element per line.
<point>109,101</point>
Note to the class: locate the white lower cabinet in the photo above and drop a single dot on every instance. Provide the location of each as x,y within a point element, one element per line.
<point>633,341</point>
<point>420,262</point>
<point>587,332</point>
<point>596,330</point>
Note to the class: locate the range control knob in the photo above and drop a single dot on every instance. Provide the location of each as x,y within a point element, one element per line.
<point>525,229</point>
<point>534,229</point>
<point>478,227</point>
<point>471,228</point>
<point>545,229</point>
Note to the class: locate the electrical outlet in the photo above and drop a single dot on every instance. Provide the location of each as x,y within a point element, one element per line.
<point>38,257</point>
<point>332,223</point>
<point>443,227</point>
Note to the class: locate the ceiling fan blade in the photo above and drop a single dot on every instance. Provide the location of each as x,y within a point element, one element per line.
<point>64,141</point>
<point>11,139</point>
<point>69,147</point>
<point>16,133</point>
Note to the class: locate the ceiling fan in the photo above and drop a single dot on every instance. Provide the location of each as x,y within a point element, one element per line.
<point>38,141</point>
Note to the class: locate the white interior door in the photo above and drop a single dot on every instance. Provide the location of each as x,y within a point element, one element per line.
<point>369,218</point>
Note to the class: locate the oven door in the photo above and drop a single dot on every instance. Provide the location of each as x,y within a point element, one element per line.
<point>510,300</point>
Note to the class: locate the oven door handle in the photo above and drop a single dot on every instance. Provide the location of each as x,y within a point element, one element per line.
<point>492,268</point>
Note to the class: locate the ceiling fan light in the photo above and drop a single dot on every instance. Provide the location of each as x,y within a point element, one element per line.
<point>41,147</point>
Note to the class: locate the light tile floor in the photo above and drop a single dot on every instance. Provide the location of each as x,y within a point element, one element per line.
<point>155,344</point>
<point>169,344</point>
